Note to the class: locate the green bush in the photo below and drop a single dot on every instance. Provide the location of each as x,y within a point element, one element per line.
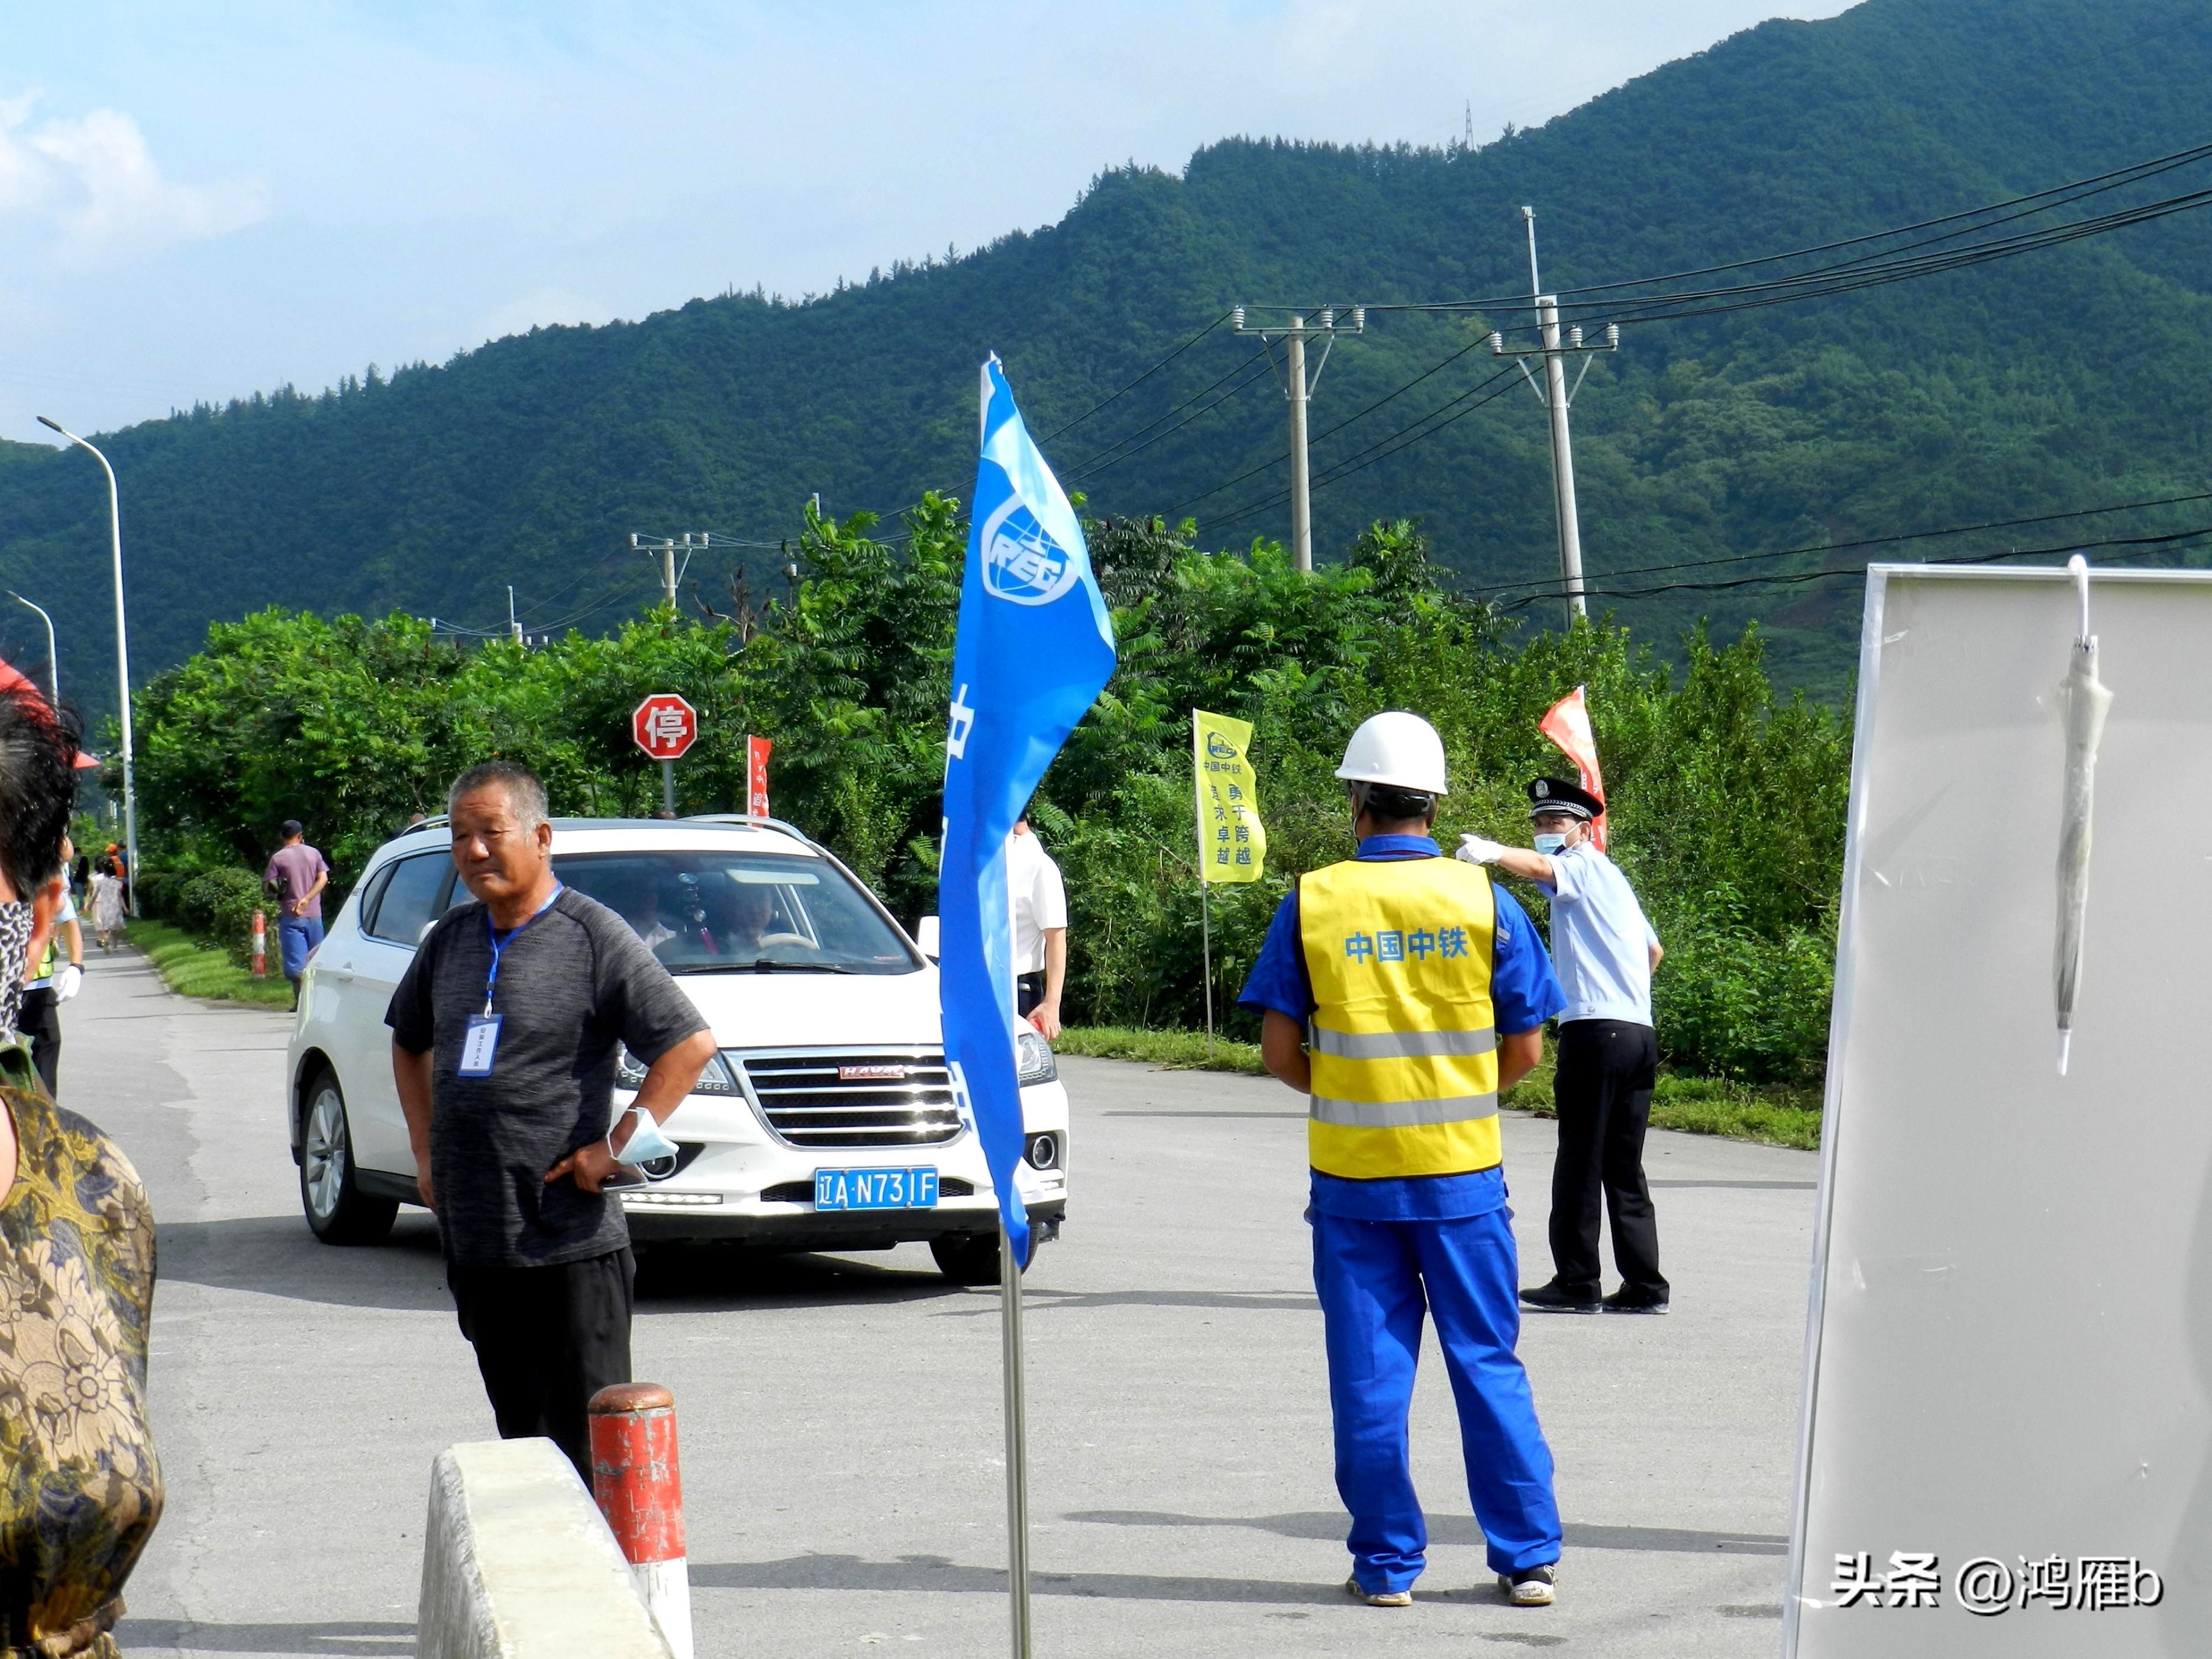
<point>217,905</point>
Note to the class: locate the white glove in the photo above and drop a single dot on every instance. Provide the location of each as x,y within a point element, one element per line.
<point>1473,849</point>
<point>68,983</point>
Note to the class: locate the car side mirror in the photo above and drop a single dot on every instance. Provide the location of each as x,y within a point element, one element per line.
<point>925,935</point>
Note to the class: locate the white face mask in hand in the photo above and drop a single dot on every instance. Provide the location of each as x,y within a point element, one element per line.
<point>646,1142</point>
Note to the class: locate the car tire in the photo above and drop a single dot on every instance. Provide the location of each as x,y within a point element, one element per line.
<point>338,1211</point>
<point>969,1258</point>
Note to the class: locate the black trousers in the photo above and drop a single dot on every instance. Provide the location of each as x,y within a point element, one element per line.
<point>1028,991</point>
<point>40,1020</point>
<point>1603,1094</point>
<point>547,1340</point>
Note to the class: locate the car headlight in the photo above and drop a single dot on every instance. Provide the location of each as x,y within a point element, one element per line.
<point>1033,1058</point>
<point>716,1078</point>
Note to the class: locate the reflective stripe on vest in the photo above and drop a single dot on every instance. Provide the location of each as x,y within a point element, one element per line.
<point>1403,1050</point>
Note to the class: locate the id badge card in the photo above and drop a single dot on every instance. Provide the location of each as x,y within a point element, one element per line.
<point>479,1044</point>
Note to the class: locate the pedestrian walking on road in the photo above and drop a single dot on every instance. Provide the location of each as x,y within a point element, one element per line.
<point>58,976</point>
<point>1038,899</point>
<point>1400,992</point>
<point>80,1489</point>
<point>106,904</point>
<point>299,873</point>
<point>1606,952</point>
<point>504,1034</point>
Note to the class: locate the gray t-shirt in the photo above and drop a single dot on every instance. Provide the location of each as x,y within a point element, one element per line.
<point>572,982</point>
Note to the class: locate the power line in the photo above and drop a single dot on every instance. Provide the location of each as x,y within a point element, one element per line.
<point>2145,544</point>
<point>1101,459</point>
<point>2114,179</point>
<point>1069,425</point>
<point>1870,541</point>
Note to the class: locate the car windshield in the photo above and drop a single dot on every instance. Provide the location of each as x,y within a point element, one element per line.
<point>717,912</point>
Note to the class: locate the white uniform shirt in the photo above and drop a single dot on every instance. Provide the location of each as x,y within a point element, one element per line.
<point>1036,898</point>
<point>1601,943</point>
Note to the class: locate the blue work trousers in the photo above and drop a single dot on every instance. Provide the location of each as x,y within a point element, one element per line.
<point>1376,1279</point>
<point>297,937</point>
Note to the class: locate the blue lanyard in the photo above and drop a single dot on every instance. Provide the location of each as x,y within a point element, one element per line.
<point>499,945</point>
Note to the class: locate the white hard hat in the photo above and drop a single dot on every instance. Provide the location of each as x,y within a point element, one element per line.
<point>1399,749</point>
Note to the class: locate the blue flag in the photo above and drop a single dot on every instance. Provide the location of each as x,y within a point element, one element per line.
<point>1036,647</point>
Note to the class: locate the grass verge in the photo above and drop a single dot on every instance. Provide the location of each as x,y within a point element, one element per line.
<point>1697,1105</point>
<point>194,969</point>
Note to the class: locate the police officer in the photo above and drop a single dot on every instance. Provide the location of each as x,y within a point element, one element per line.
<point>1400,991</point>
<point>1604,951</point>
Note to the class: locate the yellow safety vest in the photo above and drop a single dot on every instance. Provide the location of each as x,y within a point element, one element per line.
<point>1402,1040</point>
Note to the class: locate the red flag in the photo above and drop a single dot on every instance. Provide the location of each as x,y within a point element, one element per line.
<point>757,753</point>
<point>1567,723</point>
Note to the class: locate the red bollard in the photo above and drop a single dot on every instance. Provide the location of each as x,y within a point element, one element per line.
<point>640,1490</point>
<point>260,945</point>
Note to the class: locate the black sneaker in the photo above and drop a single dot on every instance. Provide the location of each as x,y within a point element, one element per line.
<point>1552,1298</point>
<point>1625,1301</point>
<point>1531,1587</point>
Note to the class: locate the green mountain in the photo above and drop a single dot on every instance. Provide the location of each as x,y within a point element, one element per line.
<point>2060,379</point>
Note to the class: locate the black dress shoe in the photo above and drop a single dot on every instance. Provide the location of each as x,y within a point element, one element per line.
<point>1550,1298</point>
<point>1625,1301</point>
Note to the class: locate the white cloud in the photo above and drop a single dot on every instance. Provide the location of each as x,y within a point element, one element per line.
<point>93,179</point>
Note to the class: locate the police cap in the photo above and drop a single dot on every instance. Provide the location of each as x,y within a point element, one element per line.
<point>1557,795</point>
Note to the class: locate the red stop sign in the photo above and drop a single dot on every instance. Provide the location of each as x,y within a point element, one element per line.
<point>665,726</point>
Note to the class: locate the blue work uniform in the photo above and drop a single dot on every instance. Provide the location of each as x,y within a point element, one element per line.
<point>1390,1248</point>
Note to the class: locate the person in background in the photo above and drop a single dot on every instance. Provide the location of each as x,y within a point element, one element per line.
<point>80,1489</point>
<point>504,1031</point>
<point>299,874</point>
<point>107,903</point>
<point>1038,900</point>
<point>1400,992</point>
<point>57,977</point>
<point>81,878</point>
<point>1606,952</point>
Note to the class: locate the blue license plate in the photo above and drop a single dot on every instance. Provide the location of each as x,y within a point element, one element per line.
<point>875,1189</point>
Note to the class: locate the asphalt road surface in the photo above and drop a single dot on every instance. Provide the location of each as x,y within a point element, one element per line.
<point>839,1415</point>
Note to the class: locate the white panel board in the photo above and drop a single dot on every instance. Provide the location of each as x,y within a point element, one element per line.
<point>2010,1348</point>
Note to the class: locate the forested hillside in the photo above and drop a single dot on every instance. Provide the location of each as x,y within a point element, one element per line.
<point>2073,377</point>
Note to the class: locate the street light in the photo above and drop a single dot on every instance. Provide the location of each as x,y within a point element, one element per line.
<point>53,662</point>
<point>122,661</point>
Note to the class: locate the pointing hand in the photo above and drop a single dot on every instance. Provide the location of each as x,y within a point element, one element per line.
<point>1473,849</point>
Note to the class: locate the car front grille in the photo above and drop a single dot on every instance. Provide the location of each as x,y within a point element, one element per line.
<point>823,1100</point>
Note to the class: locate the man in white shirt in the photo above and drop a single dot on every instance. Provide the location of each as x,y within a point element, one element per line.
<point>1604,951</point>
<point>1039,902</point>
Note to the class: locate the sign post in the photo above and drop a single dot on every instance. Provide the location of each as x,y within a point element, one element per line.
<point>665,726</point>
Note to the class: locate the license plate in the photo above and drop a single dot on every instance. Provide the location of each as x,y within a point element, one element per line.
<point>875,1189</point>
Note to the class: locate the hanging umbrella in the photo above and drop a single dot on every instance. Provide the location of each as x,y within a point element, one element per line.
<point>2083,702</point>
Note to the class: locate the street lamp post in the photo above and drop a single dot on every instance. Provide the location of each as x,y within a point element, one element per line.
<point>53,661</point>
<point>122,661</point>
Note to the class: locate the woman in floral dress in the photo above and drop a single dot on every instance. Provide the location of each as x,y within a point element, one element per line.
<point>80,1490</point>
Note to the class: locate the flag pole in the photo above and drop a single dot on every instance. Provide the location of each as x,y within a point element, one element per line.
<point>1206,945</point>
<point>1017,1460</point>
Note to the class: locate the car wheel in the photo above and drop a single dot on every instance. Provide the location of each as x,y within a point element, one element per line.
<point>338,1211</point>
<point>969,1258</point>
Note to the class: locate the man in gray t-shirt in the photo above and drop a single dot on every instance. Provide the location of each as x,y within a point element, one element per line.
<point>504,1032</point>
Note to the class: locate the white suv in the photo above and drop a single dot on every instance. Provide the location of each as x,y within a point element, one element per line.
<point>826,1122</point>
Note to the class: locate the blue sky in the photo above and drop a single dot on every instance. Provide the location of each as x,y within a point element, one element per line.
<point>200,199</point>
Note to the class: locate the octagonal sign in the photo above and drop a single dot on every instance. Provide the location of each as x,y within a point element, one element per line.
<point>665,726</point>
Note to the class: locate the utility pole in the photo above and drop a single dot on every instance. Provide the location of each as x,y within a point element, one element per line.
<point>1555,395</point>
<point>667,546</point>
<point>1298,388</point>
<point>513,628</point>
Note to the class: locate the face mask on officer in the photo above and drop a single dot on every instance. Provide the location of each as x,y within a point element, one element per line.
<point>1554,836</point>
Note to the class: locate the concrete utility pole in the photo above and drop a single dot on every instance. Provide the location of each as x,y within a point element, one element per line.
<point>513,628</point>
<point>1555,395</point>
<point>1298,388</point>
<point>693,542</point>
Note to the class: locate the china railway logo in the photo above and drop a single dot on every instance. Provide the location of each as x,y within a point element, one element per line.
<point>1021,561</point>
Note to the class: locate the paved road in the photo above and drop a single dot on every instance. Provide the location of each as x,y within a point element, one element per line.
<point>839,1415</point>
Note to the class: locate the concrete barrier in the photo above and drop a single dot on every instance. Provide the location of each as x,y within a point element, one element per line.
<point>518,1563</point>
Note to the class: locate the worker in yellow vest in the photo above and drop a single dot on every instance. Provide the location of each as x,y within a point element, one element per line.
<point>1399,990</point>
